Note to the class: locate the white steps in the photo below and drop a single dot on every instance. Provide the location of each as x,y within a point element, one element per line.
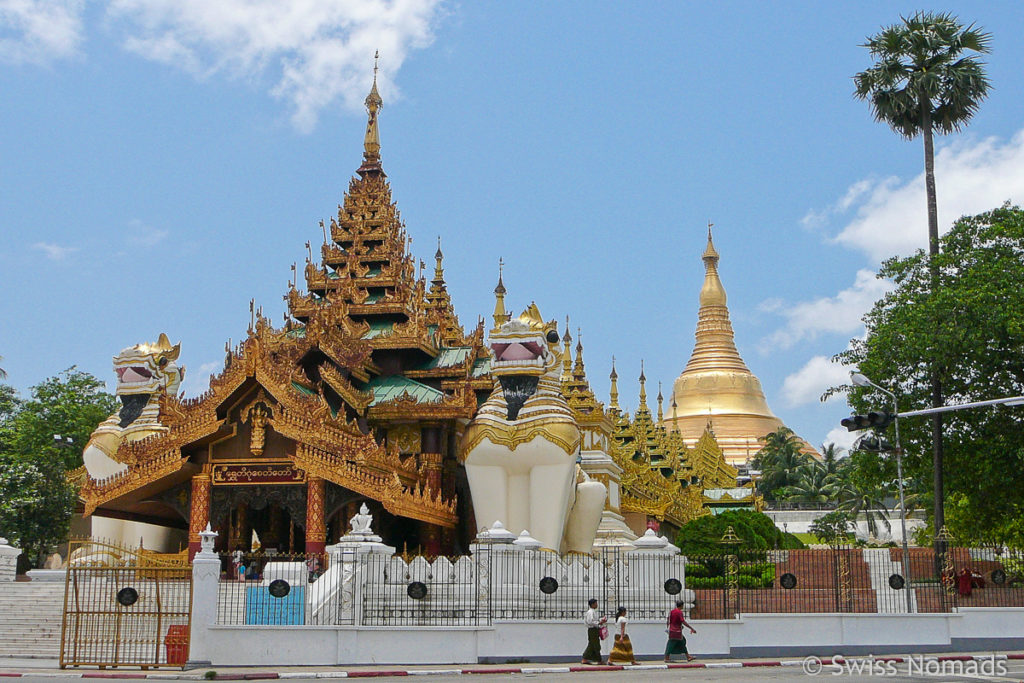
<point>30,627</point>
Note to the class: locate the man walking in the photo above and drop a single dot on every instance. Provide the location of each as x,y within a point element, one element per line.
<point>593,622</point>
<point>676,642</point>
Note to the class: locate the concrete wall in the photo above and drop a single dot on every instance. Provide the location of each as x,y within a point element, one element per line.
<point>799,522</point>
<point>752,635</point>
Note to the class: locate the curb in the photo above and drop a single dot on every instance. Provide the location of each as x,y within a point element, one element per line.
<point>381,673</point>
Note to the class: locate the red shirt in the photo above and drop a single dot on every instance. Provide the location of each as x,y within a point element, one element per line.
<point>675,624</point>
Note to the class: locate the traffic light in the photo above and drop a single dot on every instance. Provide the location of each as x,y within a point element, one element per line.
<point>876,419</point>
<point>855,423</point>
<point>880,419</point>
<point>872,443</point>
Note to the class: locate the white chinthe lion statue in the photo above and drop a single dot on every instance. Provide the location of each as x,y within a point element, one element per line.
<point>145,372</point>
<point>521,449</point>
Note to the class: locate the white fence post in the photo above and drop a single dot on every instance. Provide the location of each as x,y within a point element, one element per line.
<point>8,561</point>
<point>205,583</point>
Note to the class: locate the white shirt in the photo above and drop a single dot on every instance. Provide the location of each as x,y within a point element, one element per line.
<point>620,623</point>
<point>591,619</point>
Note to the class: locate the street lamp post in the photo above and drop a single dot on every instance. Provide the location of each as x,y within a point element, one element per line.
<point>862,381</point>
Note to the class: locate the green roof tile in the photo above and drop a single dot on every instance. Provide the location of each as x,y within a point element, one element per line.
<point>449,357</point>
<point>395,386</point>
<point>378,328</point>
<point>481,367</point>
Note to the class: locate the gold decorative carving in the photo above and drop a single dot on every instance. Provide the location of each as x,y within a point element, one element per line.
<point>414,502</point>
<point>199,512</point>
<point>316,526</point>
<point>405,438</point>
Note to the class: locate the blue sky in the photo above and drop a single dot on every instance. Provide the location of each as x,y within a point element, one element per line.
<point>163,161</point>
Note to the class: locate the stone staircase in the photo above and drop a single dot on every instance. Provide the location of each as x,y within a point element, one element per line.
<point>880,568</point>
<point>31,619</point>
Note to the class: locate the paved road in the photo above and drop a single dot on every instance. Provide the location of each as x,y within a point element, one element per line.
<point>1001,671</point>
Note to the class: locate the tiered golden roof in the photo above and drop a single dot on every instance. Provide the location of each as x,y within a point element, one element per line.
<point>368,361</point>
<point>717,388</point>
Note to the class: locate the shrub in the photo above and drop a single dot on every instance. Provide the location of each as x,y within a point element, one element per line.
<point>755,530</point>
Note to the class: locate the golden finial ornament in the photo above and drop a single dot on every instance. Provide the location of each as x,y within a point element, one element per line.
<point>371,141</point>
<point>643,387</point>
<point>661,400</point>
<point>500,315</point>
<point>613,393</point>
<point>730,537</point>
<point>579,371</point>
<point>438,280</point>
<point>567,353</point>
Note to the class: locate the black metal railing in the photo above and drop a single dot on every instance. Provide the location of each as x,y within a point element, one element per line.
<point>283,589</point>
<point>500,583</point>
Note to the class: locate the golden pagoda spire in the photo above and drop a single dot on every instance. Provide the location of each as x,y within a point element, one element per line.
<point>716,383</point>
<point>578,371</point>
<point>500,316</point>
<point>613,393</point>
<point>371,141</point>
<point>566,353</point>
<point>438,280</point>
<point>716,346</point>
<point>643,387</point>
<point>661,400</point>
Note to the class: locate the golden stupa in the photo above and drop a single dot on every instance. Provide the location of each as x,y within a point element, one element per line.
<point>716,388</point>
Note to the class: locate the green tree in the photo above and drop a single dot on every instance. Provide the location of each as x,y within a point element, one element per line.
<point>971,327</point>
<point>832,527</point>
<point>780,462</point>
<point>756,531</point>
<point>927,78</point>
<point>71,404</point>
<point>36,499</point>
<point>36,502</point>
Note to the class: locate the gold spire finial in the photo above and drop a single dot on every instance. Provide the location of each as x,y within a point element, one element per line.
<point>661,400</point>
<point>643,387</point>
<point>578,370</point>
<point>500,315</point>
<point>371,142</point>
<point>613,393</point>
<point>566,353</point>
<point>439,265</point>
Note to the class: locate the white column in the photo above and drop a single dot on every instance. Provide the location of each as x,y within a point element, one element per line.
<point>205,580</point>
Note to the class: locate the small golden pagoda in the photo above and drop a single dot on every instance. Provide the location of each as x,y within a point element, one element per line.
<point>716,391</point>
<point>664,482</point>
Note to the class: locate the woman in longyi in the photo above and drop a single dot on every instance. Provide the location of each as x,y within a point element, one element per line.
<point>622,652</point>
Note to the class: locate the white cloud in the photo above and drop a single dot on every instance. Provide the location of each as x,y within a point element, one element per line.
<point>971,176</point>
<point>317,51</point>
<point>840,314</point>
<point>39,31</point>
<point>143,235</point>
<point>807,384</point>
<point>198,381</point>
<point>841,438</point>
<point>54,252</point>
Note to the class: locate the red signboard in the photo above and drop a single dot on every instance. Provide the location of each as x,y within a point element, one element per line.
<point>263,473</point>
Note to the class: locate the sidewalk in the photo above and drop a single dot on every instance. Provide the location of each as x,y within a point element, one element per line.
<point>48,668</point>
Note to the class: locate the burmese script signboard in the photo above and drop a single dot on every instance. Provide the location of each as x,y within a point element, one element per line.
<point>254,475</point>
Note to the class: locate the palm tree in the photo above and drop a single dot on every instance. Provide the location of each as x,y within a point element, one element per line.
<point>856,499</point>
<point>780,461</point>
<point>923,82</point>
